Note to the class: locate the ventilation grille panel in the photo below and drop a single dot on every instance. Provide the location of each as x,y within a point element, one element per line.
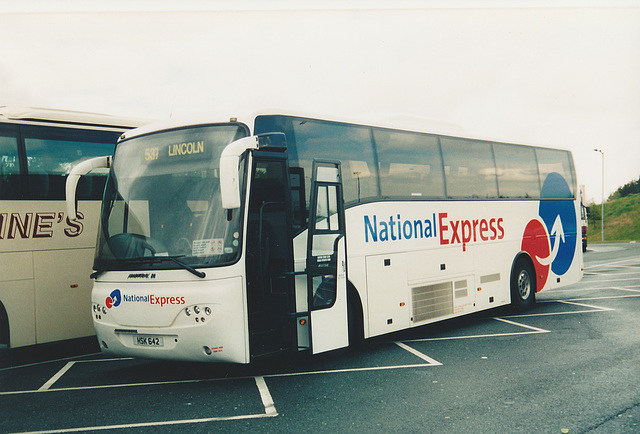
<point>432,301</point>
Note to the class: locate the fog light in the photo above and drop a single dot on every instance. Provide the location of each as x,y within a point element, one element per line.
<point>207,350</point>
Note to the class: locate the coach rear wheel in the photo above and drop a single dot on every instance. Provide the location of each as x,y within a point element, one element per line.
<point>523,286</point>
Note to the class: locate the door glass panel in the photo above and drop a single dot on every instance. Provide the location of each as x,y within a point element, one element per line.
<point>333,207</point>
<point>327,208</point>
<point>323,246</point>
<point>324,235</point>
<point>322,210</point>
<point>327,174</point>
<point>324,290</point>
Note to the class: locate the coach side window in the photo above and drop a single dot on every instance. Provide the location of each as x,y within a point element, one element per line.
<point>410,165</point>
<point>470,171</point>
<point>351,144</point>
<point>9,168</point>
<point>560,162</point>
<point>49,161</point>
<point>517,171</point>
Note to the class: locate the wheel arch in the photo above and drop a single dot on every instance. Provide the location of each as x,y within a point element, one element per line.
<point>355,316</point>
<point>522,259</point>
<point>524,256</point>
<point>5,336</point>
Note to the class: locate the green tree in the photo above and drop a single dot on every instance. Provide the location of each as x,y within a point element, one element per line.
<point>629,188</point>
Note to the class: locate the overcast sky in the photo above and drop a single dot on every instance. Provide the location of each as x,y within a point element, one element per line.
<point>563,74</point>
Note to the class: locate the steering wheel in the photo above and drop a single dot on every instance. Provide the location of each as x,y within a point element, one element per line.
<point>127,245</point>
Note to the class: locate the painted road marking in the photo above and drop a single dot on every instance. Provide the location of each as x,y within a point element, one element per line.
<point>534,330</point>
<point>147,424</point>
<point>56,377</point>
<point>432,362</point>
<point>592,309</point>
<point>265,395</point>
<point>626,289</point>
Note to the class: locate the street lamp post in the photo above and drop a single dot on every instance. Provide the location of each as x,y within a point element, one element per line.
<point>602,218</point>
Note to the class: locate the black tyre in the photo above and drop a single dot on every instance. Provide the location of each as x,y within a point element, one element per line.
<point>523,285</point>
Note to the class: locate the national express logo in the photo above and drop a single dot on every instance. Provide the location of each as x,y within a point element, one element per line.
<point>116,298</point>
<point>551,239</point>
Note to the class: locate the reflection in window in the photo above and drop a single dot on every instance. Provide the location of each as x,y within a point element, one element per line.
<point>469,168</point>
<point>327,208</point>
<point>9,168</point>
<point>324,291</point>
<point>49,162</point>
<point>349,143</point>
<point>410,164</point>
<point>552,160</point>
<point>517,171</point>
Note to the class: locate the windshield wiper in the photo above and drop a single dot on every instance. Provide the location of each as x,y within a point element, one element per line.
<point>190,269</point>
<point>96,273</point>
<point>156,259</point>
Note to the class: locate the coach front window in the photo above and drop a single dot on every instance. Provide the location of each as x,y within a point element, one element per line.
<point>162,203</point>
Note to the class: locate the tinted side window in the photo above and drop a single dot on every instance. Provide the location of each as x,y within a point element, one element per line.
<point>550,162</point>
<point>53,152</point>
<point>517,171</point>
<point>351,144</point>
<point>410,164</point>
<point>469,168</point>
<point>9,166</point>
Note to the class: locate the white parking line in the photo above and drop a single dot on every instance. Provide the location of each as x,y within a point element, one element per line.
<point>432,362</point>
<point>147,424</point>
<point>48,361</point>
<point>164,383</point>
<point>56,377</point>
<point>265,395</point>
<point>625,289</point>
<point>608,264</point>
<point>604,297</point>
<point>536,329</point>
<point>592,308</point>
<point>595,308</point>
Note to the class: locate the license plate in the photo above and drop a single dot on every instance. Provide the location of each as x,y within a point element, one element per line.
<point>148,341</point>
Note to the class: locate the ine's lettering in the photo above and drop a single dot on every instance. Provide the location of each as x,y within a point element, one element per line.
<point>37,225</point>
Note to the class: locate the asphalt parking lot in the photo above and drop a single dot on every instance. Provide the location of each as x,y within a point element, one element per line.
<point>571,364</point>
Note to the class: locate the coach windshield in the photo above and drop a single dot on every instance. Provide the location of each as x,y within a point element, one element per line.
<point>162,207</point>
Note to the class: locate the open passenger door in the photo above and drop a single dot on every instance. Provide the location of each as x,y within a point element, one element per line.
<point>326,260</point>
